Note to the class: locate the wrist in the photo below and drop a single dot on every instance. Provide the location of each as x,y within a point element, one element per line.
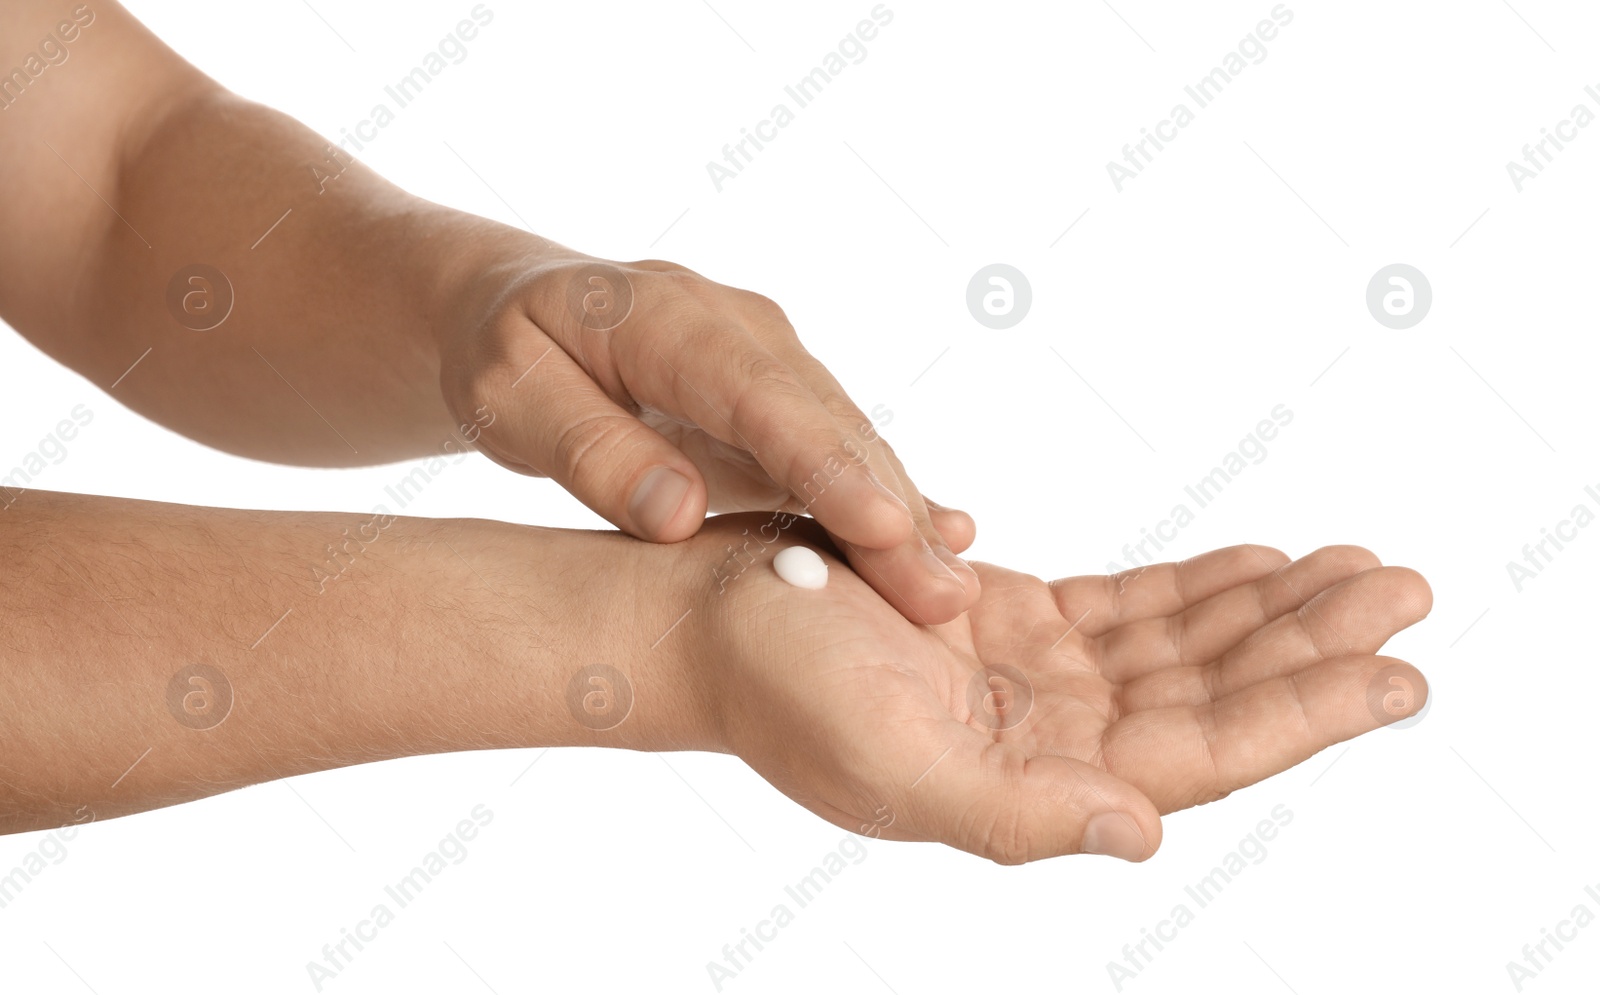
<point>600,644</point>
<point>464,266</point>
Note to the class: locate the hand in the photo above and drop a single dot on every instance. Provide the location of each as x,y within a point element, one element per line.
<point>1144,693</point>
<point>654,394</point>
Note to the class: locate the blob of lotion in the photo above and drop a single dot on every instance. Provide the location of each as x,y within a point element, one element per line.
<point>802,567</point>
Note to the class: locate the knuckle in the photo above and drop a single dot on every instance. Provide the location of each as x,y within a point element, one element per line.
<point>660,266</point>
<point>841,407</point>
<point>812,480</point>
<point>1005,841</point>
<point>766,310</point>
<point>684,309</point>
<point>762,373</point>
<point>588,437</point>
<point>688,284</point>
<point>764,388</point>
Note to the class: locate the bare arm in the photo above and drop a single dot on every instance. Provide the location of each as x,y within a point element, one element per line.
<point>157,653</point>
<point>121,189</point>
<point>209,649</point>
<point>284,302</point>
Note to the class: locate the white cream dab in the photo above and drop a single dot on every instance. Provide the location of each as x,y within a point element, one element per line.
<point>802,567</point>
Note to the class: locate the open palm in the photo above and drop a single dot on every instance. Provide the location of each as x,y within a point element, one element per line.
<point>1066,717</point>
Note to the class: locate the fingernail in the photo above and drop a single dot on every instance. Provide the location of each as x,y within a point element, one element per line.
<point>657,500</point>
<point>1113,834</point>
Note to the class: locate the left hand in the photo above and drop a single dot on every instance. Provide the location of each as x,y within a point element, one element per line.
<point>1055,718</point>
<point>654,395</point>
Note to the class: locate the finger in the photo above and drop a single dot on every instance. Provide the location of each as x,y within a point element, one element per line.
<point>1185,756</point>
<point>1355,616</point>
<point>994,800</point>
<point>1161,588</point>
<point>956,527</point>
<point>1203,631</point>
<point>548,417</point>
<point>927,584</point>
<point>697,365</point>
<point>924,570</point>
<point>922,577</point>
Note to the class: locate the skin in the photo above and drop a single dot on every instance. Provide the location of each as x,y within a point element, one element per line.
<point>1176,686</point>
<point>369,325</point>
<point>1151,691</point>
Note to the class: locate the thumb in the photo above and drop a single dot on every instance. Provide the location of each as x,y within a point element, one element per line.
<point>556,422</point>
<point>1000,803</point>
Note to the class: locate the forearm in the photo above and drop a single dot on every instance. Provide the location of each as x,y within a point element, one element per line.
<point>317,345</point>
<point>340,285</point>
<point>407,636</point>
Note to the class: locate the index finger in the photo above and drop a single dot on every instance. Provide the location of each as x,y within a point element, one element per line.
<point>714,374</point>
<point>665,337</point>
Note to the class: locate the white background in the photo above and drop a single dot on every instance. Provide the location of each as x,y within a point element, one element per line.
<point>1188,306</point>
